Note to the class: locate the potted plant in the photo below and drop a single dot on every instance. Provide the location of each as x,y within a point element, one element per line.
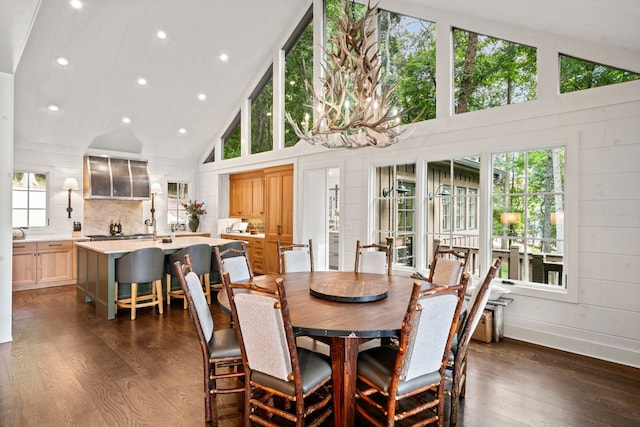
<point>194,210</point>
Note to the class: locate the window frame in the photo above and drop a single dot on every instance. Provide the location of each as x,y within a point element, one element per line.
<point>47,196</point>
<point>571,142</point>
<point>179,224</point>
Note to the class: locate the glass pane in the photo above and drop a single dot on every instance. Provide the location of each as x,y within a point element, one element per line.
<point>490,72</point>
<point>298,71</point>
<point>20,199</point>
<point>408,54</point>
<point>19,218</point>
<point>578,74</point>
<point>38,181</point>
<point>37,200</point>
<point>37,218</point>
<point>262,120</point>
<point>232,143</point>
<point>20,180</point>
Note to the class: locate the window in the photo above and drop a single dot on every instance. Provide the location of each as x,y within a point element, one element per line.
<point>29,199</point>
<point>408,55</point>
<point>177,194</point>
<point>489,72</point>
<point>578,74</point>
<point>262,115</point>
<point>452,188</point>
<point>528,214</point>
<point>298,70</point>
<point>395,211</point>
<point>231,140</point>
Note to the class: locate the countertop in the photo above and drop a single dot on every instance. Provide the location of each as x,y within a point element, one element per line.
<point>241,235</point>
<point>50,237</point>
<point>122,246</point>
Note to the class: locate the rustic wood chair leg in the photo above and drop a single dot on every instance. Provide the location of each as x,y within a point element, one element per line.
<point>159,295</point>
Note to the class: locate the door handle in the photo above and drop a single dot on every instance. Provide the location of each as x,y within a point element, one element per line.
<point>279,230</point>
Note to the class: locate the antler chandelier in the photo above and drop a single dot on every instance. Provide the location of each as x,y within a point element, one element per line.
<point>354,108</point>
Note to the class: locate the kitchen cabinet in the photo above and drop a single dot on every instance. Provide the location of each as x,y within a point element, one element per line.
<point>246,191</point>
<point>255,250</point>
<point>42,264</point>
<point>278,212</point>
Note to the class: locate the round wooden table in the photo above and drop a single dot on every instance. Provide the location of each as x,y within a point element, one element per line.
<point>345,324</point>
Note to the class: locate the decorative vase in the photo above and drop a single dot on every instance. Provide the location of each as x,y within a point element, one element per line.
<point>194,222</point>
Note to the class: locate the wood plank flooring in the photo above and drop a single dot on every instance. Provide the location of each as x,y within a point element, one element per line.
<point>69,367</point>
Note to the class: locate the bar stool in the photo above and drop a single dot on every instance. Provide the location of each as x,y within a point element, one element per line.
<point>200,256</point>
<point>140,267</point>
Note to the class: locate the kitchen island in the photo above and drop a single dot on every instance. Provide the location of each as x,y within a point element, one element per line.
<point>97,266</point>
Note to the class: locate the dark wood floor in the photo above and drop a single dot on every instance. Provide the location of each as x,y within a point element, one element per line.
<point>68,367</point>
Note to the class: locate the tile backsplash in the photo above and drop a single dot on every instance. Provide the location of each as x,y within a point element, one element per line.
<point>99,213</point>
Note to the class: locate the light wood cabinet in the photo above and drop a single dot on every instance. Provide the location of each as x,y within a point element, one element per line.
<point>42,264</point>
<point>246,195</point>
<point>279,212</point>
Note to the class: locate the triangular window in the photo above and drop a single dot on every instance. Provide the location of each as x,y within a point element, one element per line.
<point>578,74</point>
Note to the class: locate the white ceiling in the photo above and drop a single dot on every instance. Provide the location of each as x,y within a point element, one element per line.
<point>110,43</point>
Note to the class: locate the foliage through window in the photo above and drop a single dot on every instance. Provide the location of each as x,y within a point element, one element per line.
<point>262,115</point>
<point>177,194</point>
<point>408,54</point>
<point>29,191</point>
<point>231,140</point>
<point>578,74</point>
<point>528,213</point>
<point>298,70</point>
<point>489,72</point>
<point>395,211</point>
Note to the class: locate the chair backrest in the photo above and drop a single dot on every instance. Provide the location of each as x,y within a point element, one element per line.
<point>448,265</point>
<point>294,257</point>
<point>265,332</point>
<point>140,266</point>
<point>235,262</point>
<point>373,258</point>
<point>197,302</point>
<point>478,302</point>
<point>428,328</point>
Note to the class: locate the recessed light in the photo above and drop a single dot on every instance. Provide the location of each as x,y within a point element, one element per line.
<point>142,81</point>
<point>202,96</point>
<point>53,107</point>
<point>224,57</point>
<point>182,131</point>
<point>76,4</point>
<point>161,34</point>
<point>126,120</point>
<point>61,60</point>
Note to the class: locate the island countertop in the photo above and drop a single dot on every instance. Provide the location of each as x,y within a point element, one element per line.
<point>109,247</point>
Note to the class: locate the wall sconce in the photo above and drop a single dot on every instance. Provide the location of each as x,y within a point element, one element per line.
<point>155,190</point>
<point>400,189</point>
<point>70,184</point>
<point>440,191</point>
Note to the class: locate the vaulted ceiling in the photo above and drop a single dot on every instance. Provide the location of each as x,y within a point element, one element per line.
<point>110,44</point>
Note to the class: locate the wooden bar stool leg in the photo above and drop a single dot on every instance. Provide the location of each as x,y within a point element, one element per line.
<point>134,300</point>
<point>207,288</point>
<point>159,293</point>
<point>168,289</point>
<point>115,299</point>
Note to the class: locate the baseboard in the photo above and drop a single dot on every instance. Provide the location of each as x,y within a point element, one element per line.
<point>587,343</point>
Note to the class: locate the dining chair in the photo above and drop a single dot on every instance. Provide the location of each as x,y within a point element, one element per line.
<point>200,255</point>
<point>406,381</point>
<point>295,257</point>
<point>139,268</point>
<point>216,276</point>
<point>373,258</point>
<point>235,262</point>
<point>447,265</point>
<point>220,349</point>
<point>273,365</point>
<point>457,364</point>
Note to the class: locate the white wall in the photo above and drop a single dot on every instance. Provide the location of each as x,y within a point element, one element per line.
<point>6,164</point>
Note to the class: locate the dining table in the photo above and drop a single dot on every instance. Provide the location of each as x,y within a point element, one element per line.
<point>344,309</point>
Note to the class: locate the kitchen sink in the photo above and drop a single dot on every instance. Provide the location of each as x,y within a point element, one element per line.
<point>100,237</point>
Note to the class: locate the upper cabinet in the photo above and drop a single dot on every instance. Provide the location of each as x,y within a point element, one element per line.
<point>246,192</point>
<point>115,178</point>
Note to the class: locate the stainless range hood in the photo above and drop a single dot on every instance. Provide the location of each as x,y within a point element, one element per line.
<point>115,178</point>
